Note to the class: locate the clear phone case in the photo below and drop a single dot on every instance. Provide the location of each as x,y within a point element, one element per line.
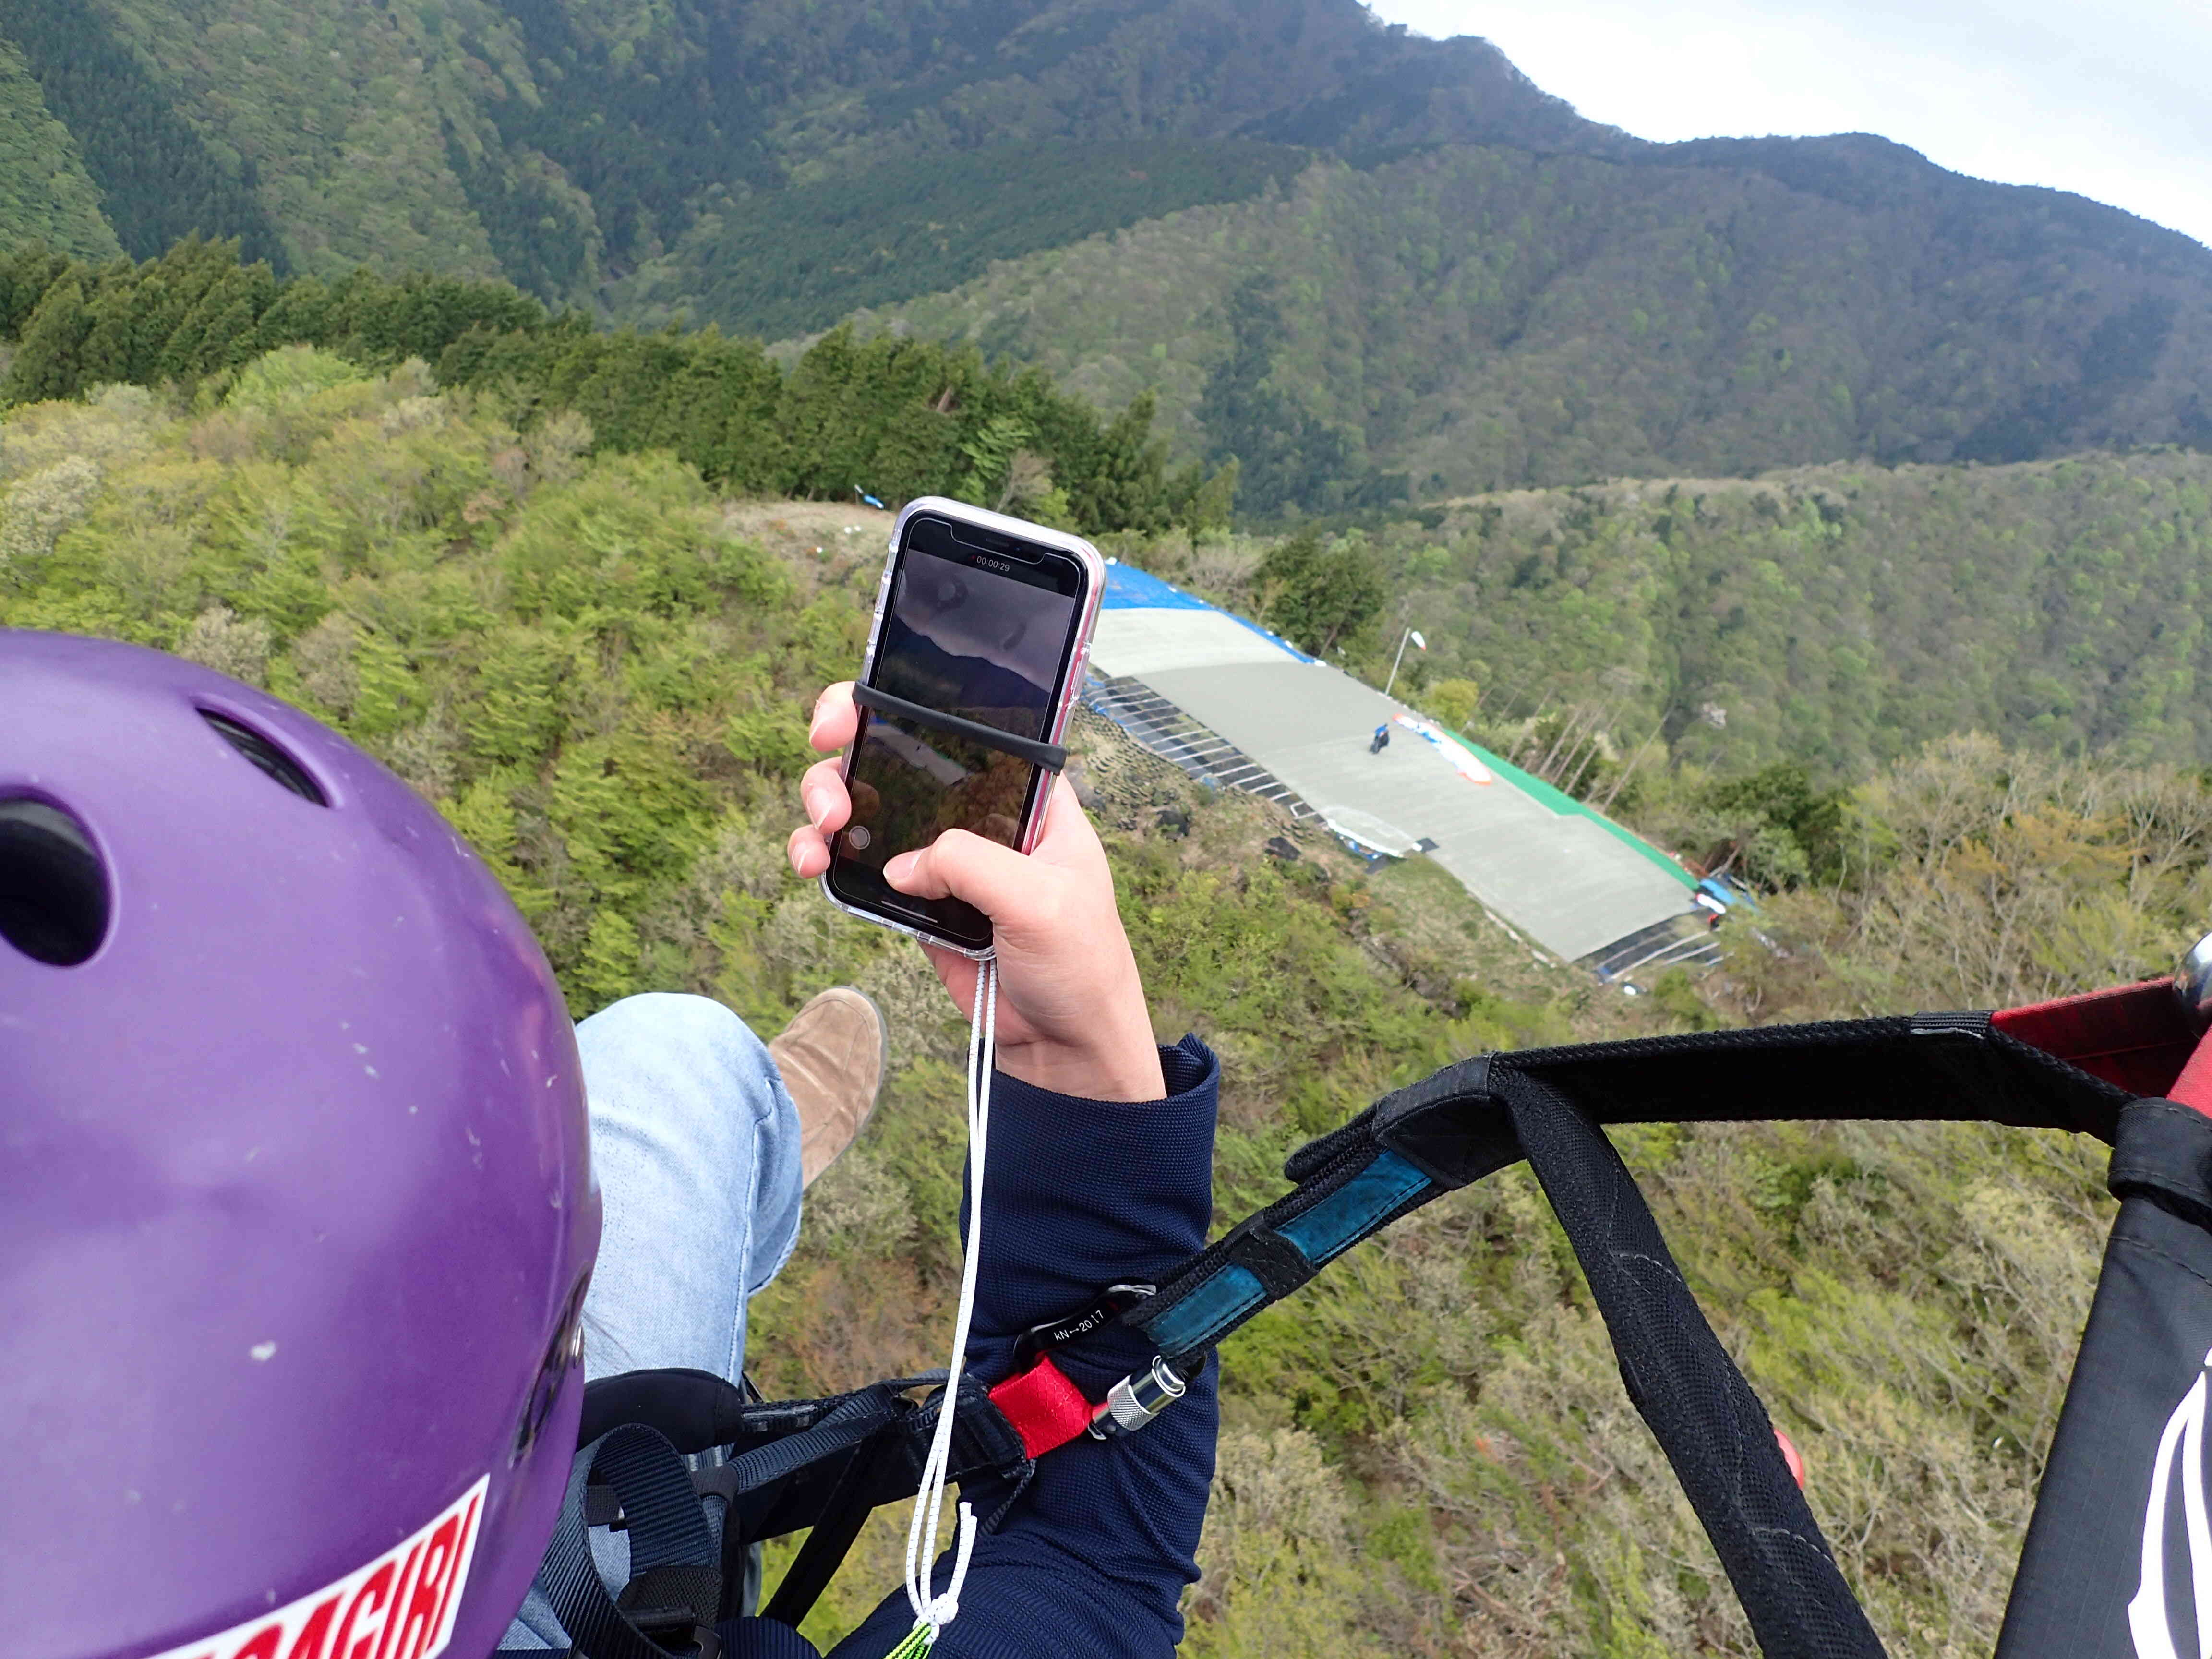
<point>1070,688</point>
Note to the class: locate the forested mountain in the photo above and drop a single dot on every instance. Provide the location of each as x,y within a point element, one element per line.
<point>1479,318</point>
<point>45,195</point>
<point>1365,264</point>
<point>792,260</point>
<point>566,144</point>
<point>848,418</point>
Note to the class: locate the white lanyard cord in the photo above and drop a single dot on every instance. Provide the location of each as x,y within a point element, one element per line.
<point>937,1612</point>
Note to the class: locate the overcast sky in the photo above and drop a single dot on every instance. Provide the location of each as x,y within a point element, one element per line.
<point>2110,98</point>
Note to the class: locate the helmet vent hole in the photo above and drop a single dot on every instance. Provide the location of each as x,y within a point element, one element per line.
<point>53,889</point>
<point>272,761</point>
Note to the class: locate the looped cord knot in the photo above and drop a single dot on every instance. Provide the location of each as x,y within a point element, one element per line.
<point>938,1610</point>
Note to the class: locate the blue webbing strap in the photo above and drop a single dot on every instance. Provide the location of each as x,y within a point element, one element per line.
<point>1441,1132</point>
<point>1211,1305</point>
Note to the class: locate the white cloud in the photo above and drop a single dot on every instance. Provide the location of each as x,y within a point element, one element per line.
<point>2105,99</point>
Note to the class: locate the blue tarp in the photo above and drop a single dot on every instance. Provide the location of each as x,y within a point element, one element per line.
<point>1128,588</point>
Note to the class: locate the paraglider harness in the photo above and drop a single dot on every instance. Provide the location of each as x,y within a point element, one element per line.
<point>2106,1568</point>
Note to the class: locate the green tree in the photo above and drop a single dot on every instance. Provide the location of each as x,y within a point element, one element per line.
<point>1316,596</point>
<point>1776,828</point>
<point>1209,503</point>
<point>1452,701</point>
<point>48,363</point>
<point>991,449</point>
<point>896,418</point>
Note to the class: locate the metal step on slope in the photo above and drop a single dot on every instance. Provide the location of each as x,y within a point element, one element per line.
<point>1157,725</point>
<point>1683,941</point>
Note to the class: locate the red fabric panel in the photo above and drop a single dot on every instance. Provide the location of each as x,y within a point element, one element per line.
<point>2134,1035</point>
<point>2194,1086</point>
<point>1792,1457</point>
<point>1046,1409</point>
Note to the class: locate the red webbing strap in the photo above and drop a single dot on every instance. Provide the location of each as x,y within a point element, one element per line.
<point>2134,1035</point>
<point>1046,1409</point>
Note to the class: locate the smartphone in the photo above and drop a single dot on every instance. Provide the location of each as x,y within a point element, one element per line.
<point>982,624</point>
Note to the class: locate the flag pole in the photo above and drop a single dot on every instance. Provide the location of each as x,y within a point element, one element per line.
<point>1408,635</point>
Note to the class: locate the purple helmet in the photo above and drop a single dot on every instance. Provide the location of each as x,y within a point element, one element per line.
<point>296,1205</point>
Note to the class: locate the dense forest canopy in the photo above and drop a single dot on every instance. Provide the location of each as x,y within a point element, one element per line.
<point>785,262</point>
<point>568,144</point>
<point>889,417</point>
<point>1835,617</point>
<point>46,194</point>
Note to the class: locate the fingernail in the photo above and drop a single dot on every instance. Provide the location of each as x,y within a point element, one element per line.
<point>811,800</point>
<point>900,868</point>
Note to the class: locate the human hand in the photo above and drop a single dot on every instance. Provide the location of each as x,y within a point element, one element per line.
<point>1071,1015</point>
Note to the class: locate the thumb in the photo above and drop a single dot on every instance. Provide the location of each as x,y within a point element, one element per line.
<point>997,880</point>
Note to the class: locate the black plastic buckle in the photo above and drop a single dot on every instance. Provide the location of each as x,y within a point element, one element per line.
<point>1112,1303</point>
<point>669,1629</point>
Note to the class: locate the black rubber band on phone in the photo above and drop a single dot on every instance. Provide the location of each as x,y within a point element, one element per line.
<point>1049,756</point>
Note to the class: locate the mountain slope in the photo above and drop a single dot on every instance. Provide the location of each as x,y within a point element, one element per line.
<point>797,260</point>
<point>45,195</point>
<point>1837,618</point>
<point>1482,318</point>
<point>312,131</point>
<point>563,143</point>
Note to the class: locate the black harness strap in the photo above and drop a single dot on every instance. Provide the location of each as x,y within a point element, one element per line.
<point>851,1419</point>
<point>843,1442</point>
<point>675,1581</point>
<point>822,1464</point>
<point>2113,1562</point>
<point>696,1410</point>
<point>1701,1411</point>
<point>1452,1128</point>
<point>1904,1068</point>
<point>843,1515</point>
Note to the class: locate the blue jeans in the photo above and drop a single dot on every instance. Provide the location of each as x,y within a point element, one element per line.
<point>696,1144</point>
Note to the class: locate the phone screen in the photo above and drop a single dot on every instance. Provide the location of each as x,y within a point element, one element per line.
<point>979,625</point>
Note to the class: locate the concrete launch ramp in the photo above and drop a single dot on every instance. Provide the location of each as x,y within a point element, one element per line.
<point>1573,881</point>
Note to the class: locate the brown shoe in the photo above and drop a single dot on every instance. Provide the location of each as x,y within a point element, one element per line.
<point>833,1055</point>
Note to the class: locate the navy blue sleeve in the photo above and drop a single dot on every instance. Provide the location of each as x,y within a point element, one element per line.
<point>1078,1194</point>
